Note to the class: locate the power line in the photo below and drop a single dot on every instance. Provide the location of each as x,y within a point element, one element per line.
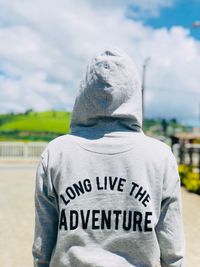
<point>144,81</point>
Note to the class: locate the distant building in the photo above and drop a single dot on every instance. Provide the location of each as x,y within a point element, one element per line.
<point>186,138</point>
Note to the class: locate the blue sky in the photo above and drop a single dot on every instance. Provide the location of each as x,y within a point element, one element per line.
<point>45,46</point>
<point>181,13</point>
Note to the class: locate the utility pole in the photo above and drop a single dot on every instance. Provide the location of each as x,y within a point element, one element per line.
<point>144,67</point>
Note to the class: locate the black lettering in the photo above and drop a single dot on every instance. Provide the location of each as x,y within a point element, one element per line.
<point>137,221</point>
<point>105,183</point>
<point>87,185</point>
<point>146,199</point>
<point>134,185</point>
<point>73,219</point>
<point>127,222</point>
<point>121,184</point>
<point>117,213</point>
<point>112,183</point>
<point>85,219</point>
<point>64,200</point>
<point>140,194</point>
<point>79,188</point>
<point>95,219</point>
<point>63,220</point>
<point>147,222</point>
<point>70,192</point>
<point>98,184</point>
<point>105,219</point>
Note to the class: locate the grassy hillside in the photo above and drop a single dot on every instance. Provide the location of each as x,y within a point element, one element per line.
<point>30,126</point>
<point>45,126</point>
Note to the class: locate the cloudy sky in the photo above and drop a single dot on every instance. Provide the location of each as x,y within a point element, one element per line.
<point>45,46</point>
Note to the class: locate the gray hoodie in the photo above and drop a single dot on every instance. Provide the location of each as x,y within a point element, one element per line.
<point>107,195</point>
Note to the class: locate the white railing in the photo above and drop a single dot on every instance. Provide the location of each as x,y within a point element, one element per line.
<point>21,149</point>
<point>187,154</point>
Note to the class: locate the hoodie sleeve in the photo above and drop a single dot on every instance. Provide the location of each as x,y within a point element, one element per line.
<point>46,218</point>
<point>170,226</point>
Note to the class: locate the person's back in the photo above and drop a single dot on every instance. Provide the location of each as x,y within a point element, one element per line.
<point>106,194</point>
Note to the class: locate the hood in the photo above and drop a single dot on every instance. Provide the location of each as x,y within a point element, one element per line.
<point>111,93</point>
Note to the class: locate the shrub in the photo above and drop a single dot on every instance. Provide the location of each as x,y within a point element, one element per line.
<point>189,178</point>
<point>184,171</point>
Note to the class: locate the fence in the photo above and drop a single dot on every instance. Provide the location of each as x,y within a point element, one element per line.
<point>30,150</point>
<point>188,154</point>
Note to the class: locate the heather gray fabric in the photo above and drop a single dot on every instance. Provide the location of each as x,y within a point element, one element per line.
<point>107,195</point>
<point>111,89</point>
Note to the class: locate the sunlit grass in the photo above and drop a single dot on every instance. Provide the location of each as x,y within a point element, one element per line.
<point>48,121</point>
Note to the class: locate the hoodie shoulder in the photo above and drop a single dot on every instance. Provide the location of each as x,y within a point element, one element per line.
<point>60,142</point>
<point>157,147</point>
<point>57,145</point>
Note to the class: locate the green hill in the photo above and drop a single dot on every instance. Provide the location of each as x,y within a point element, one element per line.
<point>32,126</point>
<point>45,126</point>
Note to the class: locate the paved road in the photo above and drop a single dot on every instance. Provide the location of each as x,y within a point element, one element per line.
<point>191,216</point>
<point>17,217</point>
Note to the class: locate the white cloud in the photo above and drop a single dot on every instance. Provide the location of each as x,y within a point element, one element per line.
<point>45,45</point>
<point>173,74</point>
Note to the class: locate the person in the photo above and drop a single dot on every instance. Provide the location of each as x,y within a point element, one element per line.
<point>107,194</point>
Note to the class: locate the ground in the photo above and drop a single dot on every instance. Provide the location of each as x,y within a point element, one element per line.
<point>17,217</point>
